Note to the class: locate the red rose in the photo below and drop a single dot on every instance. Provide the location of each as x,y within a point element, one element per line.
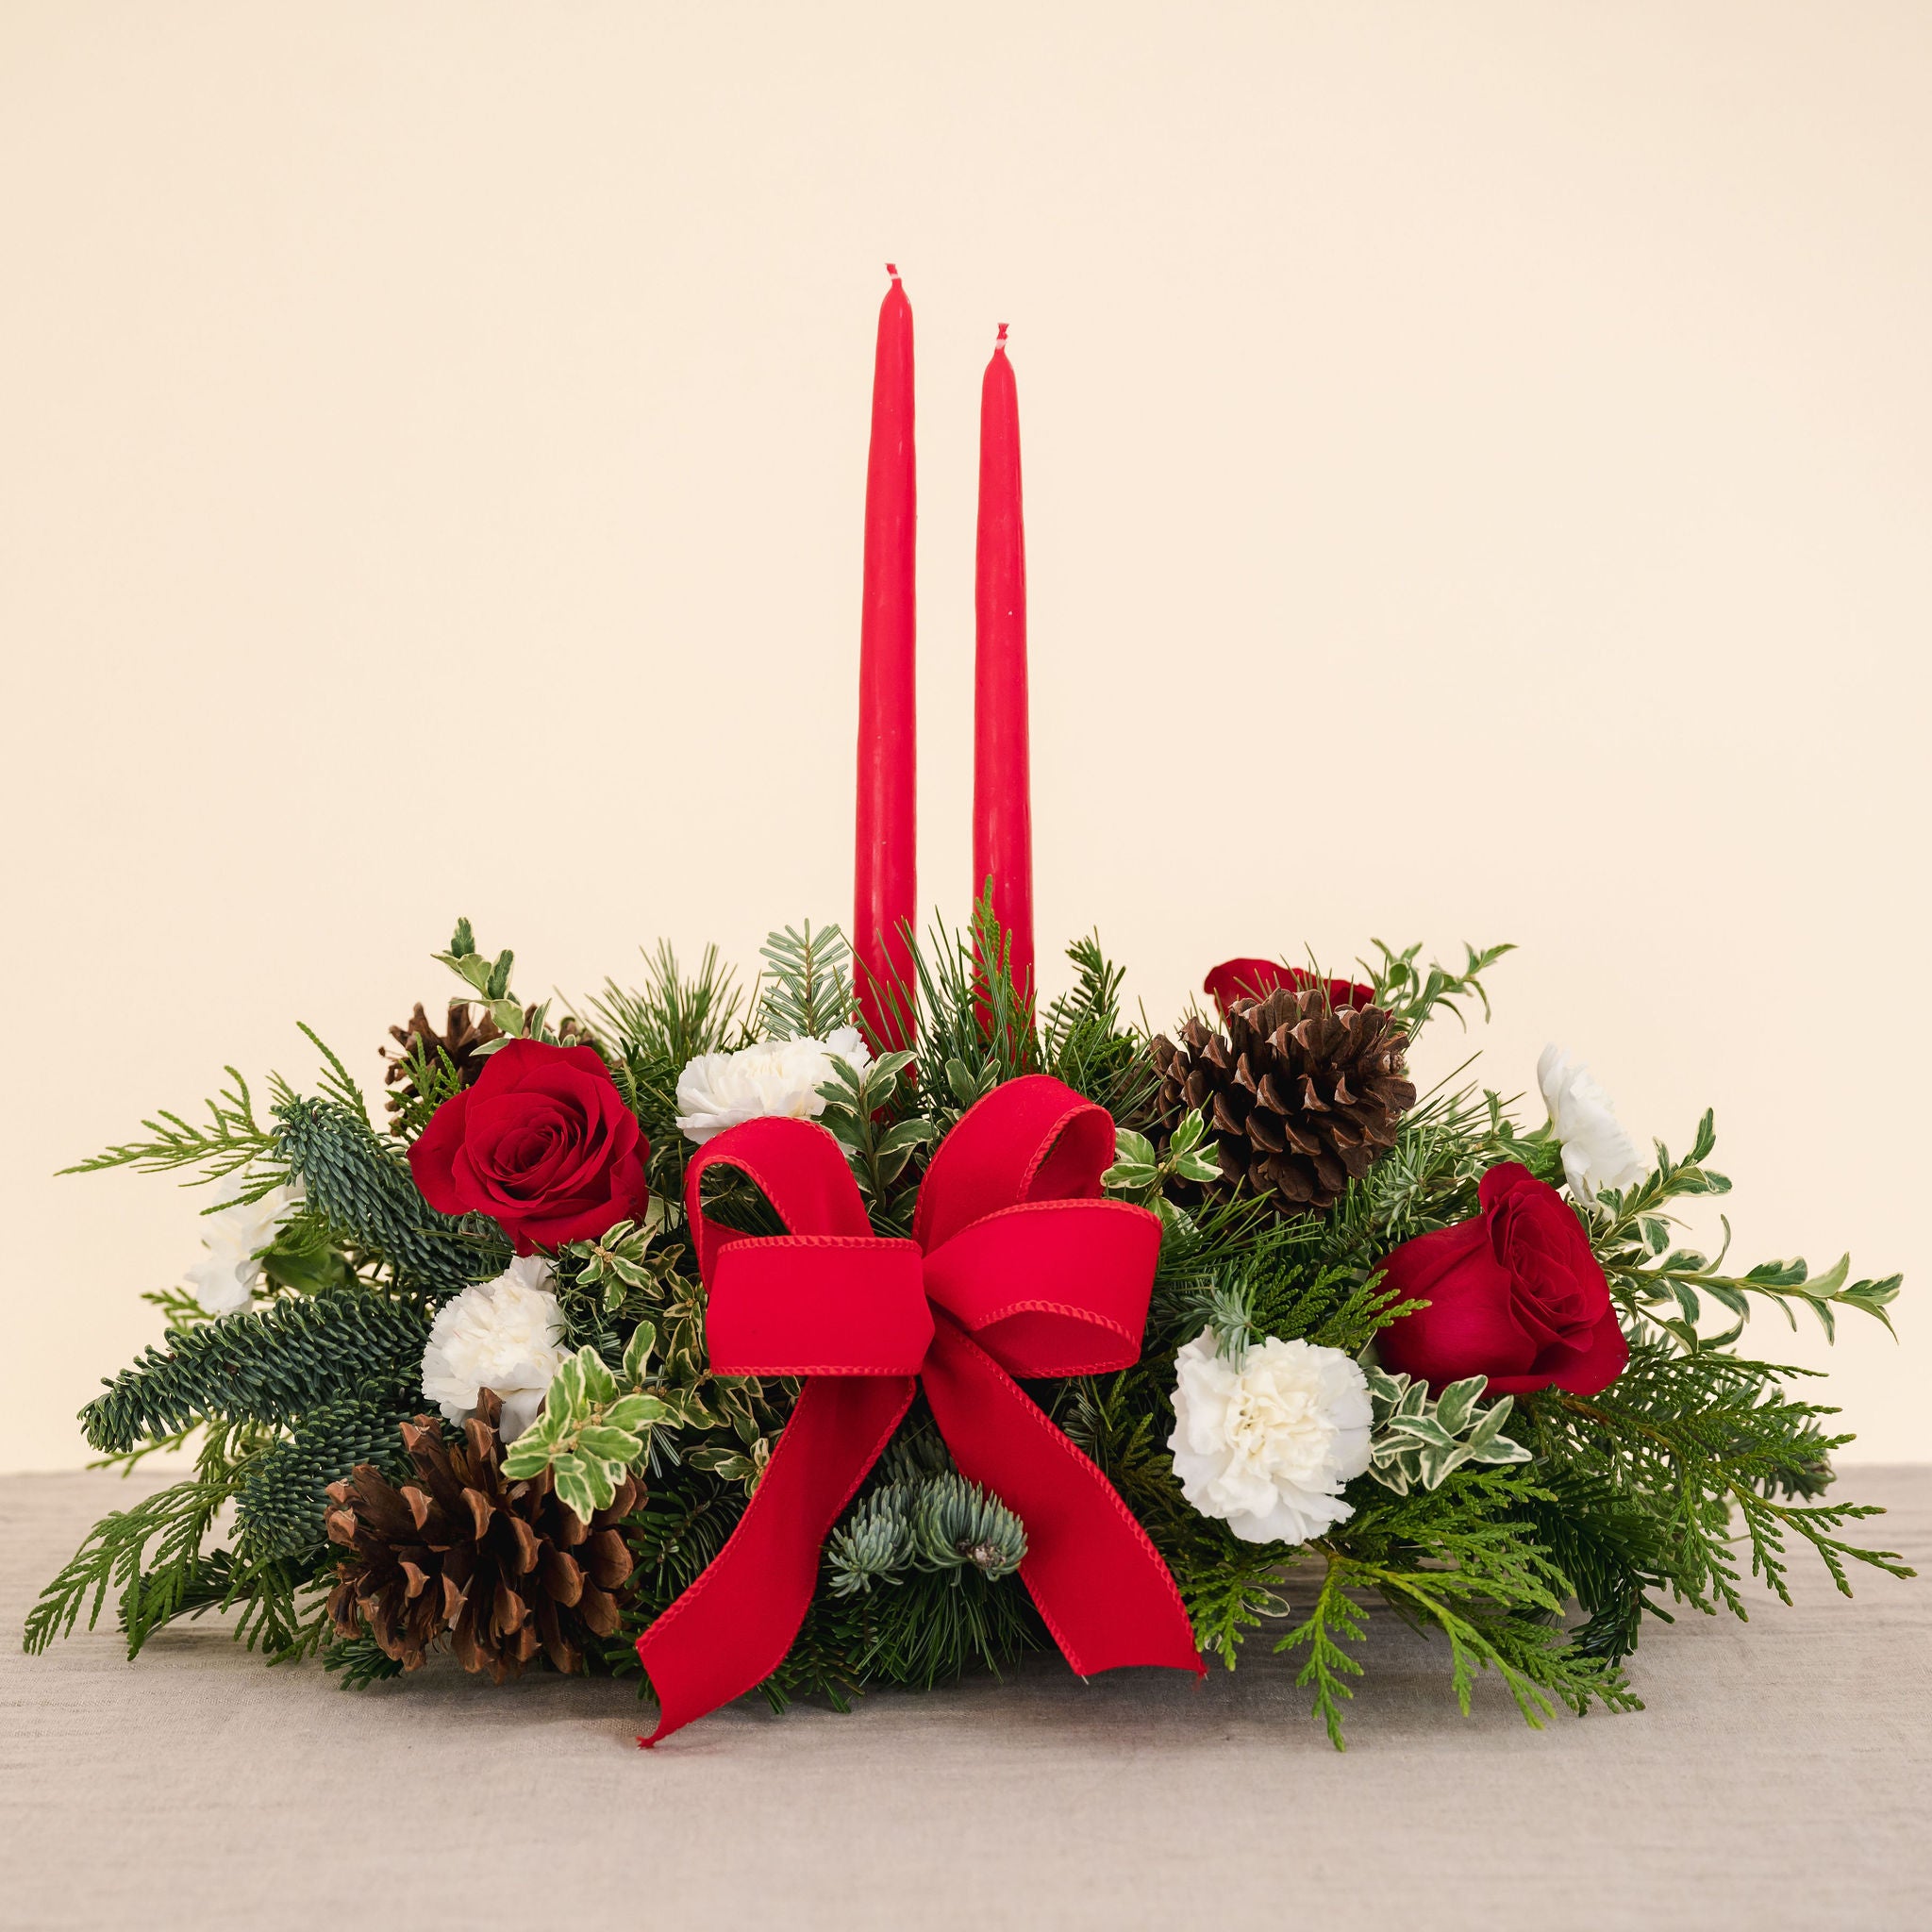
<point>542,1144</point>
<point>1515,1294</point>
<point>1255,979</point>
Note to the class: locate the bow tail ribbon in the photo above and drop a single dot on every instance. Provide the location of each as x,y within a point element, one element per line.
<point>731,1630</point>
<point>1097,1581</point>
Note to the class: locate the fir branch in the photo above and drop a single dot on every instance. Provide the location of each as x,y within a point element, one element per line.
<point>279,1498</point>
<point>1274,1282</point>
<point>270,1366</point>
<point>359,1662</point>
<point>809,995</point>
<point>362,1189</point>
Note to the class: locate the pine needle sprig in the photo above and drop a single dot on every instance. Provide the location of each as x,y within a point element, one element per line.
<point>1084,1041</point>
<point>1426,1181</point>
<point>968,1009</point>
<point>656,1030</point>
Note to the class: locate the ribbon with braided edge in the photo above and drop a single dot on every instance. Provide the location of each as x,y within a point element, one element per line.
<point>1017,1267</point>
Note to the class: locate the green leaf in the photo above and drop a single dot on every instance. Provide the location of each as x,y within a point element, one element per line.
<point>525,1458</point>
<point>613,1445</point>
<point>599,1384</point>
<point>636,1351</point>
<point>575,1487</point>
<point>635,1412</point>
<point>1454,1403</point>
<point>565,1402</point>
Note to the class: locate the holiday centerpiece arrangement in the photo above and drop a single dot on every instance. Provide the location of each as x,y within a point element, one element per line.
<point>885,1320</point>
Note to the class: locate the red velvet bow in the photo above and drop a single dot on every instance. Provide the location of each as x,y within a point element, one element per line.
<point>1018,1267</point>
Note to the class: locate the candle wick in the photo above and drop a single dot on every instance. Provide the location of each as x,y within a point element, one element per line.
<point>1002,336</point>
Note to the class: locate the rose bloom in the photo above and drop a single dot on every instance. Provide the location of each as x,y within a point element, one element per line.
<point>541,1143</point>
<point>1515,1294</point>
<point>1255,979</point>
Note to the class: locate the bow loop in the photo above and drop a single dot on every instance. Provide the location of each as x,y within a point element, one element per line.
<point>1030,1140</point>
<point>795,1165</point>
<point>1051,1288</point>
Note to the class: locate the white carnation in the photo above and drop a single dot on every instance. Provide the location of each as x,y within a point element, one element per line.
<point>1597,1153</point>
<point>779,1076</point>
<point>224,1279</point>
<point>506,1334</point>
<point>1266,1446</point>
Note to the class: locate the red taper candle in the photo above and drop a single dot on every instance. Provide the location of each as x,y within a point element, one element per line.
<point>885,869</point>
<point>1002,808</point>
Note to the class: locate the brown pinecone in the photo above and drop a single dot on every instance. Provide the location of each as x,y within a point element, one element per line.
<point>466,1031</point>
<point>502,1569</point>
<point>1301,1097</point>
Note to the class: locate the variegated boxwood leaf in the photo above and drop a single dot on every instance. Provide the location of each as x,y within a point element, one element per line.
<point>1415,1443</point>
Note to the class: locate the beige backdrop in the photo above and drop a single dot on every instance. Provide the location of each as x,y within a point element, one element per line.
<point>1478,488</point>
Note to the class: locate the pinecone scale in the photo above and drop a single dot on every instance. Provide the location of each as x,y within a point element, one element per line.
<point>1301,1096</point>
<point>458,1553</point>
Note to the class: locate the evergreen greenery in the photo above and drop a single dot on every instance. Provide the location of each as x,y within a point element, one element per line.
<point>1532,1539</point>
<point>810,993</point>
<point>269,1365</point>
<point>358,1187</point>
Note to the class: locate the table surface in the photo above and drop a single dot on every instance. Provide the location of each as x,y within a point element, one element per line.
<point>1778,1777</point>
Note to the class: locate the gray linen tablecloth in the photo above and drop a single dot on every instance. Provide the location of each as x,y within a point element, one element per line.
<point>1778,1778</point>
